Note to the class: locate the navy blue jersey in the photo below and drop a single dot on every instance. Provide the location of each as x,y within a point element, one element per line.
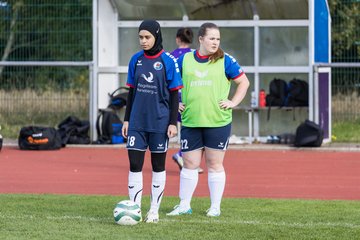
<point>152,77</point>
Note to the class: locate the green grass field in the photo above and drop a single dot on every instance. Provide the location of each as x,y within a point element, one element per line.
<point>90,217</point>
<point>346,132</point>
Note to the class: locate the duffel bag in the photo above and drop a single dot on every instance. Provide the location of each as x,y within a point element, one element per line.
<point>39,138</point>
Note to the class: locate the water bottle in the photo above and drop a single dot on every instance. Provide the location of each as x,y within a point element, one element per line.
<point>1,140</point>
<point>116,137</point>
<point>262,98</point>
<point>253,99</point>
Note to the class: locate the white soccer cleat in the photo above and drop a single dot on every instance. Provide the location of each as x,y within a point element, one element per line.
<point>177,211</point>
<point>152,217</point>
<point>213,212</point>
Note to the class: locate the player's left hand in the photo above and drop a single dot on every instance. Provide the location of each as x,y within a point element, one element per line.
<point>181,107</point>
<point>226,104</point>
<point>172,131</point>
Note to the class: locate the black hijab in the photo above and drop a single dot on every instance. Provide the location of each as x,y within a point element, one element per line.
<point>154,28</point>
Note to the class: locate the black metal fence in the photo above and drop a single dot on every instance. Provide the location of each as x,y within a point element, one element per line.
<point>38,31</point>
<point>345,35</point>
<point>60,30</point>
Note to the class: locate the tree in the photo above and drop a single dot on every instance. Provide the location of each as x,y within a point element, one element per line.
<point>345,30</point>
<point>12,28</point>
<point>43,30</point>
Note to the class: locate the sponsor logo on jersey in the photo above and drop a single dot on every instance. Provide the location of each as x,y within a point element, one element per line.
<point>200,74</point>
<point>148,79</point>
<point>147,88</point>
<point>139,63</point>
<point>158,66</point>
<point>200,83</point>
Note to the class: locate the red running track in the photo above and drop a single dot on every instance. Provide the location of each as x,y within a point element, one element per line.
<point>301,174</point>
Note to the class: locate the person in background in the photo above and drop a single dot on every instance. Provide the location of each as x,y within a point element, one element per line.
<point>184,38</point>
<point>207,115</point>
<point>151,113</point>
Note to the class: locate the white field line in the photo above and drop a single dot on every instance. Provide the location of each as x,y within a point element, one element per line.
<point>195,221</point>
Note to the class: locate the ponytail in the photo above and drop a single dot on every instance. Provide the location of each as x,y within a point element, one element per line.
<point>185,35</point>
<point>217,55</point>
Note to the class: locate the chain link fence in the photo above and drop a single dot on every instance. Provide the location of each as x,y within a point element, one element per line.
<point>345,15</point>
<point>60,30</point>
<point>345,94</point>
<point>32,34</point>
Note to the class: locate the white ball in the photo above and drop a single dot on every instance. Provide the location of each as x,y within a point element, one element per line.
<point>127,212</point>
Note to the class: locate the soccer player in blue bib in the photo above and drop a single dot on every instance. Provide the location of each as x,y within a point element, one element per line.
<point>151,113</point>
<point>207,115</point>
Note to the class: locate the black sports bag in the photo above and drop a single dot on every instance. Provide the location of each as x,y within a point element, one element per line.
<point>39,138</point>
<point>309,134</point>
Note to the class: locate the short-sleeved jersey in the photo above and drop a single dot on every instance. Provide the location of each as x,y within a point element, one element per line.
<point>152,77</point>
<point>232,68</point>
<point>180,51</point>
<point>205,84</point>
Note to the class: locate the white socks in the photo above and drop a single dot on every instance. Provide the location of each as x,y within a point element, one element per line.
<point>157,189</point>
<point>216,182</point>
<point>188,182</point>
<point>135,187</point>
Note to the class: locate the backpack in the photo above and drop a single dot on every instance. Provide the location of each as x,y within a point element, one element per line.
<point>118,98</point>
<point>298,93</point>
<point>39,138</point>
<point>1,140</point>
<point>277,93</point>
<point>292,94</point>
<point>309,134</point>
<point>108,127</point>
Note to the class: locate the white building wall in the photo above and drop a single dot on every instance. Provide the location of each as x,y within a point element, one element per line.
<point>107,51</point>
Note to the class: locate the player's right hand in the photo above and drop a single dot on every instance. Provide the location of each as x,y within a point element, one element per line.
<point>124,130</point>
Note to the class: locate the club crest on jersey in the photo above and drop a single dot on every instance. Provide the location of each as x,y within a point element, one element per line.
<point>158,66</point>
